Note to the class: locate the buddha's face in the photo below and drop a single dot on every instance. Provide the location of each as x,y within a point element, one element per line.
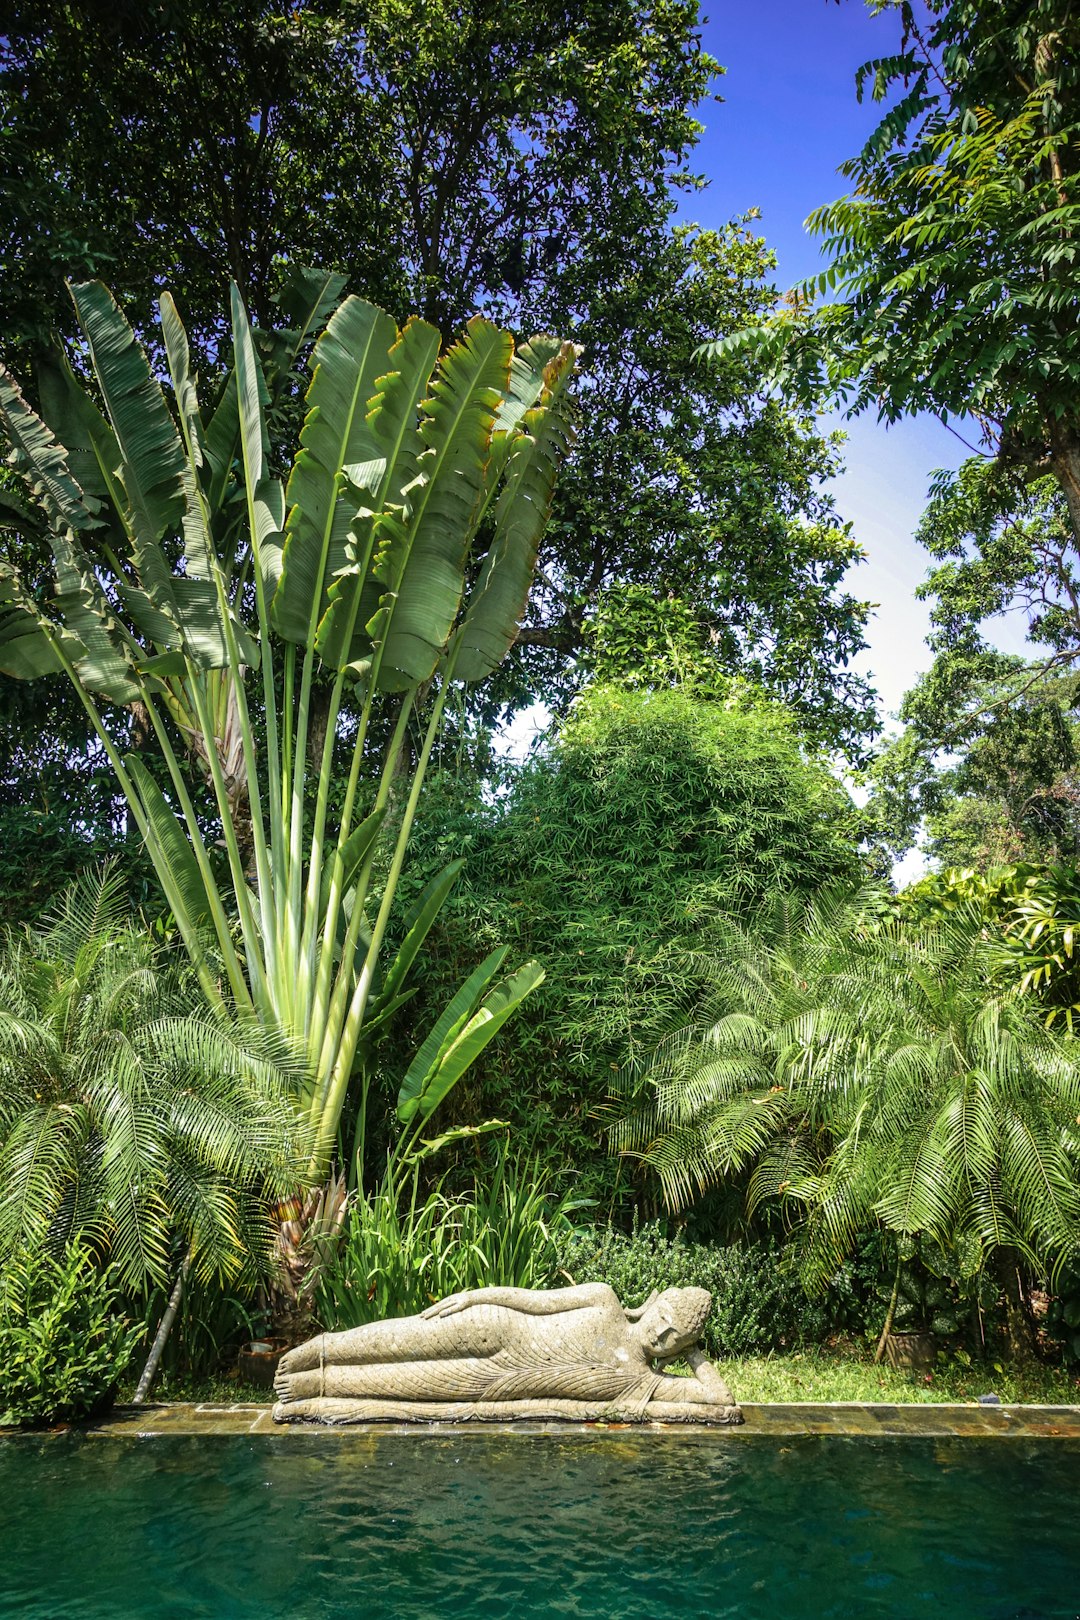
<point>673,1322</point>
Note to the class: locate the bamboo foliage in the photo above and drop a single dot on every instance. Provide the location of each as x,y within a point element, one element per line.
<point>189,581</point>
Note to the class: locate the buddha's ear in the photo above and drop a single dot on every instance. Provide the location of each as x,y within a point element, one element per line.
<point>638,1311</point>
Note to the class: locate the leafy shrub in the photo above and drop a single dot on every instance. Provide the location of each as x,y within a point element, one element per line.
<point>63,1346</point>
<point>758,1302</point>
<point>1062,1323</point>
<point>399,1256</point>
<point>609,857</point>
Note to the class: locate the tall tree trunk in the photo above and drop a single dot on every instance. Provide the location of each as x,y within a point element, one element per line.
<point>1065,461</point>
<point>889,1314</point>
<point>149,1372</point>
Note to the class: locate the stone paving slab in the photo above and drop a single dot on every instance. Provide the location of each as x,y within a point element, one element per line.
<point>780,1421</point>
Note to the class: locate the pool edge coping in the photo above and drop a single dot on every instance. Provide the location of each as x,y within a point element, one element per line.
<point>774,1419</point>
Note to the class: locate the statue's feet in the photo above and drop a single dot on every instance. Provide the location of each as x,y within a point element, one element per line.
<point>304,1356</point>
<point>297,1386</point>
<point>304,1359</point>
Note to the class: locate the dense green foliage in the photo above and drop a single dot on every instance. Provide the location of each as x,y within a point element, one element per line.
<point>517,159</point>
<point>609,858</point>
<point>401,1251</point>
<point>64,1345</point>
<point>462,156</point>
<point>981,779</point>
<point>239,677</point>
<point>871,1075</point>
<point>695,482</point>
<point>954,262</point>
<point>131,1119</point>
<point>758,1302</point>
<point>953,255</point>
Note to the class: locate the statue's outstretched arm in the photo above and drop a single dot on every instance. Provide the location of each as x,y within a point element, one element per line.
<point>533,1302</point>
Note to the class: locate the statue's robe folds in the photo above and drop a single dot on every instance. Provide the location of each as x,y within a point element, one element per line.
<point>490,1362</point>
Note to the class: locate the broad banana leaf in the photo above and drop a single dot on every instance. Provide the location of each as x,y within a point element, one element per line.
<point>107,662</point>
<point>265,494</point>
<point>187,884</point>
<point>463,1048</point>
<point>308,297</point>
<point>185,391</point>
<point>26,651</point>
<point>41,459</point>
<point>378,486</point>
<point>92,451</point>
<point>349,357</point>
<point>421,562</point>
<point>419,922</point>
<point>152,458</point>
<point>496,605</point>
<point>154,472</point>
<point>459,1010</point>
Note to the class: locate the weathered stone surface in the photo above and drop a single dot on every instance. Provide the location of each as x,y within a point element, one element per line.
<point>499,1354</point>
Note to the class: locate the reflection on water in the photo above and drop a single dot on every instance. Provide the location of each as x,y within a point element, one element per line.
<point>623,1526</point>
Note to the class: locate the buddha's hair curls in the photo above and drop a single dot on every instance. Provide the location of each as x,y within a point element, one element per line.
<point>690,1308</point>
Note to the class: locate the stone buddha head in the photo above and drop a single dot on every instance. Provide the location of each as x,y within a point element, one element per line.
<point>673,1321</point>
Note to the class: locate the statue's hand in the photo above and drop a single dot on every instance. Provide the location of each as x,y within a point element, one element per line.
<point>447,1307</point>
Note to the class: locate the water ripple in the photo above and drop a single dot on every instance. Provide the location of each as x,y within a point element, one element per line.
<point>478,1526</point>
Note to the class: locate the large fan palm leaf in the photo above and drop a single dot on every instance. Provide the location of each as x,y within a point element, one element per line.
<point>130,1114</point>
<point>867,1072</point>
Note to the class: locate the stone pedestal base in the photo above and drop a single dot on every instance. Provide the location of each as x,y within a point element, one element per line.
<point>327,1409</point>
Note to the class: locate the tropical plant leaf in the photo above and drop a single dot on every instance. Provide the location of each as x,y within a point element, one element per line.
<point>349,356</point>
<point>419,921</point>
<point>152,458</point>
<point>421,562</point>
<point>265,492</point>
<point>183,379</point>
<point>378,492</point>
<point>39,459</point>
<point>187,881</point>
<point>91,445</point>
<point>465,1047</point>
<point>26,650</point>
<point>450,1023</point>
<point>106,664</point>
<point>497,602</point>
<point>308,297</point>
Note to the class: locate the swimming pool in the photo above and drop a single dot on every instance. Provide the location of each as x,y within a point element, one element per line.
<point>624,1524</point>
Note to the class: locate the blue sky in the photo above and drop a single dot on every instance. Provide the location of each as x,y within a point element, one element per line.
<point>789,117</point>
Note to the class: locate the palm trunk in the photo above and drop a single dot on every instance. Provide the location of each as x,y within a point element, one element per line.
<point>149,1372</point>
<point>889,1315</point>
<point>1019,1325</point>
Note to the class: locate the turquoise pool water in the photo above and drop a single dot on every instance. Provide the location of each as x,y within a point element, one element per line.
<point>636,1526</point>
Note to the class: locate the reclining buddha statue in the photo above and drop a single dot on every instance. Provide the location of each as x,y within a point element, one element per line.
<point>505,1353</point>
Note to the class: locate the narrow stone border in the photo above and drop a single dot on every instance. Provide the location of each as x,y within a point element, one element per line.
<point>790,1420</point>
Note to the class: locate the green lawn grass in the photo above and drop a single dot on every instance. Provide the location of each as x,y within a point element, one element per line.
<point>850,1375</point>
<point>846,1373</point>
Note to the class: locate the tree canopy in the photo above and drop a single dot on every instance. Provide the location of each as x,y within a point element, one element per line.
<point>521,160</point>
<point>444,157</point>
<point>953,254</point>
<point>953,259</point>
